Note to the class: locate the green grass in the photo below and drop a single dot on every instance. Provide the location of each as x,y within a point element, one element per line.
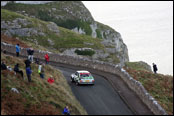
<point>158,85</point>
<point>114,58</point>
<point>98,33</point>
<point>40,93</point>
<point>8,15</point>
<point>137,66</point>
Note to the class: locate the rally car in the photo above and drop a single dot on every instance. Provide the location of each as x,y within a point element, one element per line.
<point>82,77</point>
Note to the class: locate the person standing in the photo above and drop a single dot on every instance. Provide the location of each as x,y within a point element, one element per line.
<point>28,71</point>
<point>30,52</point>
<point>46,58</point>
<point>17,50</point>
<point>41,70</point>
<point>154,68</point>
<point>27,63</point>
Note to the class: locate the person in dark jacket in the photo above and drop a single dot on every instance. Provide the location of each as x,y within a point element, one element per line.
<point>66,111</point>
<point>17,50</point>
<point>30,52</point>
<point>154,68</point>
<point>37,61</point>
<point>16,69</point>
<point>27,63</point>
<point>3,66</point>
<point>28,71</point>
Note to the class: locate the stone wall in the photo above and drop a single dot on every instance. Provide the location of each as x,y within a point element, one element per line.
<point>136,86</point>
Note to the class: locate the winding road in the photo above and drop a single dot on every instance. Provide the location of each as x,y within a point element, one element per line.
<point>98,99</point>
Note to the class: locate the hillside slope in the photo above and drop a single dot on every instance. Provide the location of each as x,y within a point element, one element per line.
<point>158,85</point>
<point>38,97</point>
<point>52,37</point>
<point>74,16</point>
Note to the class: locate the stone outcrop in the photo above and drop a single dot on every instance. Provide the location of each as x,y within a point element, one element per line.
<point>22,27</point>
<point>53,27</point>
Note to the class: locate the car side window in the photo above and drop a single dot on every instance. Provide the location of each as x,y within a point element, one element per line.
<point>76,73</point>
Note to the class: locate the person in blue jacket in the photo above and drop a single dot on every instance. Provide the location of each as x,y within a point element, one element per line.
<point>66,111</point>
<point>28,71</point>
<point>17,50</point>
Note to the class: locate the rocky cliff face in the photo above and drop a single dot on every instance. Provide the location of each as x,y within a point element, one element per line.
<point>75,16</point>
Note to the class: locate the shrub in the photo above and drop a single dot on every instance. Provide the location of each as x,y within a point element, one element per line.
<point>85,52</point>
<point>98,33</point>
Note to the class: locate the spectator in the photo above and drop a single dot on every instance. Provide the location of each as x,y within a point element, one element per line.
<point>3,66</point>
<point>66,111</point>
<point>46,58</point>
<point>16,69</point>
<point>4,51</point>
<point>28,71</point>
<point>27,63</point>
<point>17,50</point>
<point>37,61</point>
<point>30,52</point>
<point>51,80</point>
<point>41,70</point>
<point>154,68</point>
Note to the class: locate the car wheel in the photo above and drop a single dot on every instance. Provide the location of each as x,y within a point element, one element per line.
<point>77,83</point>
<point>72,80</point>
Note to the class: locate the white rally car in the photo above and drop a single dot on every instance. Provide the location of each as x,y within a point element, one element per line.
<point>82,77</point>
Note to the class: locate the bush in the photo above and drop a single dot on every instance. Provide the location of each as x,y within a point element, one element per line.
<point>70,24</point>
<point>85,52</point>
<point>98,33</point>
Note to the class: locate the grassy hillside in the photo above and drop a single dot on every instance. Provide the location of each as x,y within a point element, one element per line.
<point>158,85</point>
<point>38,97</point>
<point>138,66</point>
<point>65,39</point>
<point>65,14</point>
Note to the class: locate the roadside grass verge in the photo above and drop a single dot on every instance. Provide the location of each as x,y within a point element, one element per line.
<point>158,85</point>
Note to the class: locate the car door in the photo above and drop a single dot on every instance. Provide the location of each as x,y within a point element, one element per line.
<point>76,76</point>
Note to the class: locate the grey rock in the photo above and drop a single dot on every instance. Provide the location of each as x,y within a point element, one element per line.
<point>53,27</point>
<point>94,27</point>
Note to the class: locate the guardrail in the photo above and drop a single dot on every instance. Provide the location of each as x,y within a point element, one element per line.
<point>136,86</point>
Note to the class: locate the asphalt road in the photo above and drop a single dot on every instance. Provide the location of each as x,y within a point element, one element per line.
<point>99,99</point>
